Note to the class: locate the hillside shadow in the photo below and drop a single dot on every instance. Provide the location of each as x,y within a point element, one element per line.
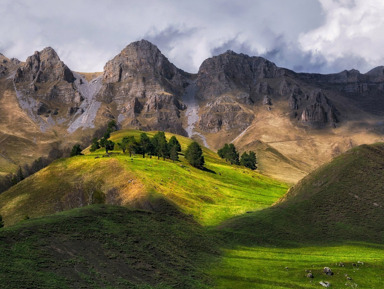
<point>293,227</point>
<point>204,169</point>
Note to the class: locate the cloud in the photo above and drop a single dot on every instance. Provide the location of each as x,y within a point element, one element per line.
<point>351,36</point>
<point>305,35</point>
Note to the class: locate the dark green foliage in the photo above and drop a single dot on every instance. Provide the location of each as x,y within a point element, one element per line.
<point>173,142</point>
<point>248,160</point>
<point>174,155</point>
<point>160,145</point>
<point>95,145</point>
<point>103,141</point>
<point>1,222</point>
<point>76,150</point>
<point>112,126</point>
<point>229,153</point>
<point>146,145</point>
<point>194,155</point>
<point>107,134</point>
<point>109,145</point>
<point>129,143</point>
<point>20,175</point>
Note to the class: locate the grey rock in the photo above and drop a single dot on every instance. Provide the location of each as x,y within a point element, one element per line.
<point>328,271</point>
<point>325,284</point>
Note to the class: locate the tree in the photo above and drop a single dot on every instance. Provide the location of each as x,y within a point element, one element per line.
<point>160,144</point>
<point>1,222</point>
<point>194,155</point>
<point>128,143</point>
<point>112,126</point>
<point>229,153</point>
<point>223,151</point>
<point>174,155</point>
<point>103,141</point>
<point>95,145</point>
<point>174,142</point>
<point>146,145</point>
<point>248,160</point>
<point>76,150</point>
<point>109,146</point>
<point>20,175</point>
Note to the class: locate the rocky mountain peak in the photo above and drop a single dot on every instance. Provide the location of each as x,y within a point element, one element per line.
<point>44,66</point>
<point>231,71</point>
<point>140,58</point>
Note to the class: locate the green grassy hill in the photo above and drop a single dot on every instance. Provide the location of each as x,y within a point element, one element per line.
<point>332,216</point>
<point>180,227</point>
<point>103,246</point>
<point>211,196</point>
<point>342,200</point>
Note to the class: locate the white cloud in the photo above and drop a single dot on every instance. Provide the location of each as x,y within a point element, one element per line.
<point>353,29</point>
<point>307,35</point>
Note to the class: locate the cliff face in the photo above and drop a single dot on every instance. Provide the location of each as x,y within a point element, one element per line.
<point>45,85</point>
<point>141,88</point>
<point>145,88</point>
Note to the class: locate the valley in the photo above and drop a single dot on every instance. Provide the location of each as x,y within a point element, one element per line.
<point>114,220</point>
<point>223,227</point>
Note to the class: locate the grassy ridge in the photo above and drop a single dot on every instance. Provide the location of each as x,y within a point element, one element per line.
<point>334,215</point>
<point>211,195</point>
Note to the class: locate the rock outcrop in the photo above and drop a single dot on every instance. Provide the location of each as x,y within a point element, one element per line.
<point>236,73</point>
<point>45,78</point>
<point>44,66</point>
<point>145,87</point>
<point>224,113</point>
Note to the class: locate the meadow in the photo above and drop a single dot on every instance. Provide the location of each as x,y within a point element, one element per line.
<point>171,226</point>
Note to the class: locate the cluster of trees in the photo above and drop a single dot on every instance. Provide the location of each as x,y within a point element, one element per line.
<point>29,169</point>
<point>230,154</point>
<point>155,146</point>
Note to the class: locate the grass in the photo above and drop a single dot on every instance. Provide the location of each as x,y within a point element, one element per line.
<point>319,223</point>
<point>282,267</point>
<point>213,228</point>
<point>106,247</point>
<point>211,196</point>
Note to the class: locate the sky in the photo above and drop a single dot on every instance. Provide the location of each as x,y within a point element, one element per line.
<point>323,36</point>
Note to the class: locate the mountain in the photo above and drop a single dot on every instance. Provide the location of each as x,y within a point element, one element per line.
<point>295,121</point>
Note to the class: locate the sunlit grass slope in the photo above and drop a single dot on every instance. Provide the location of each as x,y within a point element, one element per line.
<point>211,196</point>
<point>266,267</point>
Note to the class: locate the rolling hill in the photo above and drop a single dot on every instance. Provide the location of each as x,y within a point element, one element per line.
<point>210,195</point>
<point>331,218</point>
<point>180,227</point>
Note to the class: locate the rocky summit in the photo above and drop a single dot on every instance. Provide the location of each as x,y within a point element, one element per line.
<point>233,98</point>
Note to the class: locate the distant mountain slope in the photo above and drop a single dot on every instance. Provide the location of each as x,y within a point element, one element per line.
<point>233,97</point>
<point>340,201</point>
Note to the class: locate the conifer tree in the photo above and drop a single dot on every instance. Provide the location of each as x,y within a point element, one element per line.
<point>194,155</point>
<point>95,145</point>
<point>146,145</point>
<point>174,155</point>
<point>76,150</point>
<point>174,142</point>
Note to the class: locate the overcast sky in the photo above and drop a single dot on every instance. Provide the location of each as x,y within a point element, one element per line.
<point>304,35</point>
